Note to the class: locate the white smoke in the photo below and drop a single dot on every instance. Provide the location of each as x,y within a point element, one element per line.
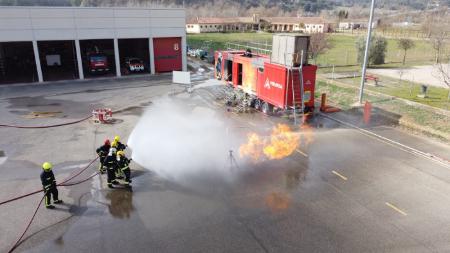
<point>180,142</point>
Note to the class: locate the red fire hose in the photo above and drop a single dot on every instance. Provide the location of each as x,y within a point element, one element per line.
<point>64,183</point>
<point>47,126</point>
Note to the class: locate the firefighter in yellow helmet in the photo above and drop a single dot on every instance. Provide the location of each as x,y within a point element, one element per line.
<point>120,145</point>
<point>123,165</point>
<point>49,184</point>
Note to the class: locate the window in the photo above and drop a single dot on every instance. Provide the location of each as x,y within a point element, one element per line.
<point>210,26</point>
<point>201,26</point>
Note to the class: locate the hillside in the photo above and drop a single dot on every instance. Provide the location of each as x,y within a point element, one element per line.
<point>240,7</point>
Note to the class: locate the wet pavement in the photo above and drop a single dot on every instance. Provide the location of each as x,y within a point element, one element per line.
<point>341,192</point>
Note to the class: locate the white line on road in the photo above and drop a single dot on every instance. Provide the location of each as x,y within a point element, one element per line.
<point>393,143</point>
<point>396,208</point>
<point>301,153</point>
<point>339,175</point>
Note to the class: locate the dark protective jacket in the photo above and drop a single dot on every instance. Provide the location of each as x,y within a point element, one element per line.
<point>123,163</point>
<point>121,146</point>
<point>103,150</point>
<point>48,179</point>
<point>111,162</point>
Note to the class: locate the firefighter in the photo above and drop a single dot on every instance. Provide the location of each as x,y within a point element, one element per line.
<point>123,164</point>
<point>111,166</point>
<point>49,184</point>
<point>120,145</point>
<point>102,152</point>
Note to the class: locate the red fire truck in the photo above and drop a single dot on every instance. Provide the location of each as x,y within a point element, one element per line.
<point>272,82</point>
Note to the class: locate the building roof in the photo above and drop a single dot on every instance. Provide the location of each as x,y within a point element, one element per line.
<point>250,20</point>
<point>295,20</point>
<point>212,20</point>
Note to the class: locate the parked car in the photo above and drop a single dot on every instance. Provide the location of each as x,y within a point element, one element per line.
<point>133,64</point>
<point>98,63</point>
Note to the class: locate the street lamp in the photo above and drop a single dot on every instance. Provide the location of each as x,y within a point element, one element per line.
<point>366,53</point>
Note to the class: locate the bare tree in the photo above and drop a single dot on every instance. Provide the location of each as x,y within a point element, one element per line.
<point>405,45</point>
<point>438,42</point>
<point>443,70</point>
<point>319,43</point>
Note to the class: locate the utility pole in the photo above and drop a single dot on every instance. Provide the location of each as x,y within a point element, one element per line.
<point>366,53</point>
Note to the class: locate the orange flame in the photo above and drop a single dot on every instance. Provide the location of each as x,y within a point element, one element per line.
<point>253,147</point>
<point>278,201</point>
<point>282,143</point>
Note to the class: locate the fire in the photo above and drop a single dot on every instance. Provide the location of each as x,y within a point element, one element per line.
<point>253,147</point>
<point>278,201</point>
<point>282,143</point>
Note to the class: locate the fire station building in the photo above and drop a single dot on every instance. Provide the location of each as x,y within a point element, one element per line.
<point>40,44</point>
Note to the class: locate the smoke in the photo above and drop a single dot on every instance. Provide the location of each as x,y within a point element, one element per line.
<point>180,142</point>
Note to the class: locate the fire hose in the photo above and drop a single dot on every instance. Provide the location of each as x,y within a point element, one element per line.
<point>64,183</point>
<point>46,126</point>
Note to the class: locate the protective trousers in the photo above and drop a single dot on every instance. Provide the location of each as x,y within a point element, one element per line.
<point>102,163</point>
<point>49,191</point>
<point>111,174</point>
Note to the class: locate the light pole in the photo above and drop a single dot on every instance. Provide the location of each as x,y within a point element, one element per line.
<point>366,53</point>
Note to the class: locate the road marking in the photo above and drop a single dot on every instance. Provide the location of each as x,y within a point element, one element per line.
<point>396,208</point>
<point>252,124</point>
<point>301,153</point>
<point>339,175</point>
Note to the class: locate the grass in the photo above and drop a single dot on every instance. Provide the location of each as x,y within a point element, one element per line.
<point>344,97</point>
<point>436,96</point>
<point>342,53</point>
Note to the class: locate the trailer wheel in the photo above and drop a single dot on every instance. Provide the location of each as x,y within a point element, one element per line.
<point>267,108</point>
<point>257,104</point>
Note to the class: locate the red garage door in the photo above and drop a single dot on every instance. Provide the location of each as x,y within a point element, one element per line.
<point>167,52</point>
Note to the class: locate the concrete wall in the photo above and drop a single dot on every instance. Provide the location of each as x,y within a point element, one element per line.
<point>69,23</point>
<point>86,23</point>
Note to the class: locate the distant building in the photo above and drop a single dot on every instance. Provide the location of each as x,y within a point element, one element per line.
<point>297,24</point>
<point>256,23</point>
<point>232,24</point>
<point>357,24</point>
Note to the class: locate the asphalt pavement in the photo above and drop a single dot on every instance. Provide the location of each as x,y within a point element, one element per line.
<point>340,191</point>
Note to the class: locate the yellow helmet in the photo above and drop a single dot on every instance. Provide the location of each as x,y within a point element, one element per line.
<point>47,166</point>
<point>114,144</point>
<point>117,138</point>
<point>121,153</point>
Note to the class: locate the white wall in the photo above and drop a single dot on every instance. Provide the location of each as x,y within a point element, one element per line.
<point>69,23</point>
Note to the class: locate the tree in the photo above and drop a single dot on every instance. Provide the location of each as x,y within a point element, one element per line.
<point>443,73</point>
<point>318,44</point>
<point>377,50</point>
<point>342,14</point>
<point>437,41</point>
<point>405,45</point>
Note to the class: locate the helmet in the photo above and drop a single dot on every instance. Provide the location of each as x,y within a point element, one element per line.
<point>107,142</point>
<point>112,151</point>
<point>114,144</point>
<point>120,153</point>
<point>117,138</point>
<point>47,166</point>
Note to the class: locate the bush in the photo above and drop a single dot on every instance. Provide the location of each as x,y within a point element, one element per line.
<point>377,50</point>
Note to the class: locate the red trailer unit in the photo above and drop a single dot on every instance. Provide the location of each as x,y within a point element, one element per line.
<point>167,54</point>
<point>270,85</point>
<point>280,86</point>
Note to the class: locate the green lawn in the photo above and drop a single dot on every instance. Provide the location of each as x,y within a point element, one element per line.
<point>342,53</point>
<point>344,97</point>
<point>436,96</point>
